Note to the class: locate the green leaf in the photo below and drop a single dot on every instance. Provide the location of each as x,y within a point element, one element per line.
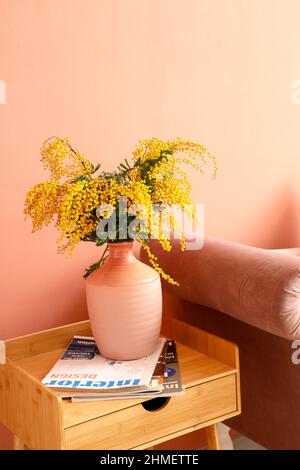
<point>79,178</point>
<point>123,166</point>
<point>96,265</point>
<point>100,242</point>
<point>95,168</point>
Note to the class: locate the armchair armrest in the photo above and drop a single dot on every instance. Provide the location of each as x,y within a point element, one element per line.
<point>257,286</point>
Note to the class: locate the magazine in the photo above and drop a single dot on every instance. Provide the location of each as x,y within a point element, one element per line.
<point>172,378</point>
<point>81,368</point>
<point>167,373</point>
<point>155,386</point>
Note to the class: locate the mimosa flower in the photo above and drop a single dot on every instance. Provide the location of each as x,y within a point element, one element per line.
<point>153,183</point>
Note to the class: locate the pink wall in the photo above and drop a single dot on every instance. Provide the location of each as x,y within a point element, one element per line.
<point>106,73</point>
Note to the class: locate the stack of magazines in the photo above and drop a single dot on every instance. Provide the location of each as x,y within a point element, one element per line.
<point>82,374</point>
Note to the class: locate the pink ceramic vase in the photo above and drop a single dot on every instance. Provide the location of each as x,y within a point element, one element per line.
<point>125,305</point>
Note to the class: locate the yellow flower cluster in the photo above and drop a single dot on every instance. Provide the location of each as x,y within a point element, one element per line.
<point>42,202</point>
<point>153,183</point>
<point>136,192</point>
<point>171,183</point>
<point>62,160</point>
<point>153,261</point>
<point>75,218</point>
<point>192,153</point>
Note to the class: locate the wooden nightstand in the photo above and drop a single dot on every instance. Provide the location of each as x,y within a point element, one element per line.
<point>39,419</point>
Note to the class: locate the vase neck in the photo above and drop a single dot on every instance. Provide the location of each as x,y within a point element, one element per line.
<point>121,252</point>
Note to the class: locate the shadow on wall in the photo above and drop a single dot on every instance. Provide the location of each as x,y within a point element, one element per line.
<point>282,217</point>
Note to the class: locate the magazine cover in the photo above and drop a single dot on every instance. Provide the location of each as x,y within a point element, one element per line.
<point>167,373</point>
<point>172,379</point>
<point>82,368</point>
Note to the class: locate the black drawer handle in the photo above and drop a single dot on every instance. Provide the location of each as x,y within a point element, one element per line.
<point>156,404</point>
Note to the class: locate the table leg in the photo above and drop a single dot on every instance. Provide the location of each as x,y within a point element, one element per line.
<point>212,437</point>
<point>18,444</point>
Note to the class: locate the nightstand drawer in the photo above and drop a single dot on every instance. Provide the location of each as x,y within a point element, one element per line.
<point>134,426</point>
